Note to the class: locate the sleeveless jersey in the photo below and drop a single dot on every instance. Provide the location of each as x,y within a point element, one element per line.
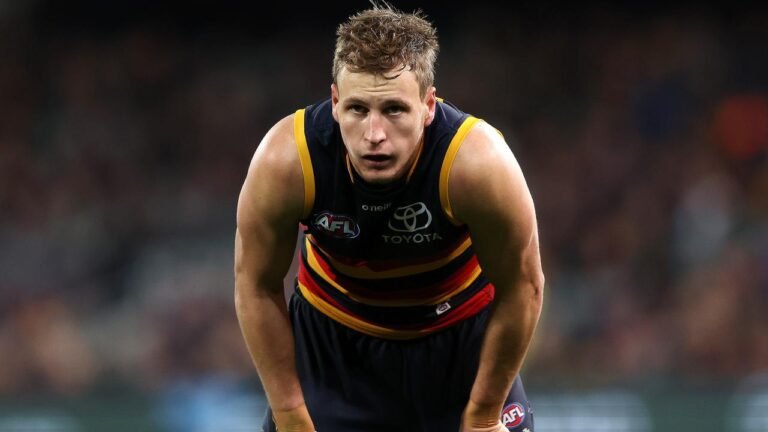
<point>389,262</point>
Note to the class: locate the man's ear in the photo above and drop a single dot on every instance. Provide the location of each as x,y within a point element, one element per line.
<point>334,101</point>
<point>431,102</point>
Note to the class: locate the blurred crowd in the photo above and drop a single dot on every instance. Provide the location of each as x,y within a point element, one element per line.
<point>122,150</point>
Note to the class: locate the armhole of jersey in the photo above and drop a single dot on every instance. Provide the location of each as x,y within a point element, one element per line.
<point>306,162</point>
<point>445,170</point>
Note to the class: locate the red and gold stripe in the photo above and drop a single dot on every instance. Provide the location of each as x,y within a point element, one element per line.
<point>392,268</point>
<point>334,286</point>
<point>325,304</point>
<point>432,294</point>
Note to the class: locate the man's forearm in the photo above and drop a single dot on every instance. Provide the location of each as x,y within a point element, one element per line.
<point>506,341</point>
<point>268,335</point>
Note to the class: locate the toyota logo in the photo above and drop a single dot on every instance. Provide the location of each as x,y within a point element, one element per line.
<point>410,218</point>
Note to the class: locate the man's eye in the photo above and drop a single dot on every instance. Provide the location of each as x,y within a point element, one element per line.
<point>357,109</point>
<point>393,110</point>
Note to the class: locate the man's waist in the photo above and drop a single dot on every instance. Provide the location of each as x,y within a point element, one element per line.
<point>396,322</point>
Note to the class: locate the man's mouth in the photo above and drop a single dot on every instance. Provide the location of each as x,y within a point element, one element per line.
<point>377,157</point>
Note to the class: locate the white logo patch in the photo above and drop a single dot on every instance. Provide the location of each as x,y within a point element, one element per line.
<point>443,308</point>
<point>375,207</point>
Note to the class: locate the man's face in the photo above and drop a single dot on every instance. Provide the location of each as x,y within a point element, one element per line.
<point>382,122</point>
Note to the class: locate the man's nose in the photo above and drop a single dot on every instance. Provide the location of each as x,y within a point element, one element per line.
<point>375,131</point>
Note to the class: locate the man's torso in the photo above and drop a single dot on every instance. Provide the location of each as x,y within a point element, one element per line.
<point>387,262</point>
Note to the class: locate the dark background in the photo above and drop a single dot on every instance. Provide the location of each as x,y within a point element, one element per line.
<point>126,129</point>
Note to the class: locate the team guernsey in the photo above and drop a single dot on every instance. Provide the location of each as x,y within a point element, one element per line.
<point>389,262</point>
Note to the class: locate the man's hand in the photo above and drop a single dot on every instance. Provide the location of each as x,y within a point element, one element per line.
<point>294,420</point>
<point>482,418</point>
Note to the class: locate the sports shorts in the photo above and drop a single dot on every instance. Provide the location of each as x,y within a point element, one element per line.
<point>353,382</point>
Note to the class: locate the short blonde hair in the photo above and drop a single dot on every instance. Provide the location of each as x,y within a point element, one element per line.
<point>383,39</point>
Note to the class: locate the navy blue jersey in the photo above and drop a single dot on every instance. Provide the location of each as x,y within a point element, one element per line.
<point>390,262</point>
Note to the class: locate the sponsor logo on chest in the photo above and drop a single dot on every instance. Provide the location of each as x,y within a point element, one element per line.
<point>375,207</point>
<point>410,225</point>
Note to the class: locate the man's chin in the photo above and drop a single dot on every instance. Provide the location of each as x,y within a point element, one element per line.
<point>380,178</point>
<point>379,181</point>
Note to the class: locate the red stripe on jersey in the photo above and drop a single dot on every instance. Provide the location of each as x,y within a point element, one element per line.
<point>466,310</point>
<point>403,290</point>
<point>305,278</point>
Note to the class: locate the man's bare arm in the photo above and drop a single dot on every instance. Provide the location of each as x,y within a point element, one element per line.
<point>489,193</point>
<point>269,207</point>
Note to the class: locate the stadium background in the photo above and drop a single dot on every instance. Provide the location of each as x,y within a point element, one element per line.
<point>126,129</point>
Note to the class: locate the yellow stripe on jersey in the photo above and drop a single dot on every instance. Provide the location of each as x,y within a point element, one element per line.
<point>445,170</point>
<point>355,323</point>
<point>415,161</point>
<point>407,270</point>
<point>475,273</point>
<point>312,260</point>
<point>306,162</point>
<point>434,300</point>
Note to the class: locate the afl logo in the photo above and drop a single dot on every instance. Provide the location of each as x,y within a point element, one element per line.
<point>410,218</point>
<point>338,226</point>
<point>513,415</point>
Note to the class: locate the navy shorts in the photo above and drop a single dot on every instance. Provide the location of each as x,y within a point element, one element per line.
<point>353,382</point>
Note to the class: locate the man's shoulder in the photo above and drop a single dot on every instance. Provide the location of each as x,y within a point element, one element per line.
<point>277,157</point>
<point>278,147</point>
<point>484,148</point>
<point>482,172</point>
<point>274,182</point>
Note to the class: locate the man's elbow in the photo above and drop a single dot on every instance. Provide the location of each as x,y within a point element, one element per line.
<point>241,294</point>
<point>536,284</point>
<point>250,287</point>
<point>246,288</point>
